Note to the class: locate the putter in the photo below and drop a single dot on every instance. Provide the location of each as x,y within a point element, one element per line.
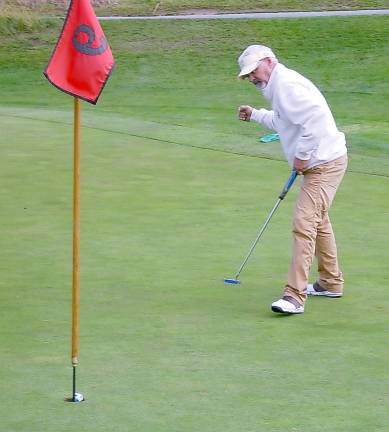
<point>288,185</point>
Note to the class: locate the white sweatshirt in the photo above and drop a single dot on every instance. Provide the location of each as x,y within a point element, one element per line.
<point>302,118</point>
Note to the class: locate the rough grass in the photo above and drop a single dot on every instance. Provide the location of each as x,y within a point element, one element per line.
<point>14,21</point>
<point>161,7</point>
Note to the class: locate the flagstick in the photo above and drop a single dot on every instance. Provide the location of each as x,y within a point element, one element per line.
<point>76,244</point>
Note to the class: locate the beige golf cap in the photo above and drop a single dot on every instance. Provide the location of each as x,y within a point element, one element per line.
<point>251,56</point>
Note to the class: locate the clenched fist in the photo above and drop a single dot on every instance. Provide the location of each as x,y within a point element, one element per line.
<point>245,112</point>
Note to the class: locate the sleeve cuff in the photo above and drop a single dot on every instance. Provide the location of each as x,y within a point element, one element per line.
<point>257,115</point>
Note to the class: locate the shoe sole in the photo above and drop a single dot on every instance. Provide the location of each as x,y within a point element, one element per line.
<point>325,294</point>
<point>280,310</point>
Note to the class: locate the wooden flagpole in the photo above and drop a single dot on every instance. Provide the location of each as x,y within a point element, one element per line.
<point>76,242</point>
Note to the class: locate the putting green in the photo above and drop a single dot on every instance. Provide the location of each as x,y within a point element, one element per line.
<point>165,345</point>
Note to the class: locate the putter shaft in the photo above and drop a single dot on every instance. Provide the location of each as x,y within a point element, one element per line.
<point>258,237</point>
<point>281,196</point>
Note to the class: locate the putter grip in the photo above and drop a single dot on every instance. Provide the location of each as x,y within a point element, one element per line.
<point>288,185</point>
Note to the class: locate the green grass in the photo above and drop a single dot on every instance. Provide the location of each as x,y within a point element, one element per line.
<point>164,344</point>
<point>174,189</point>
<point>190,6</point>
<point>186,73</point>
<point>130,7</point>
<point>161,7</point>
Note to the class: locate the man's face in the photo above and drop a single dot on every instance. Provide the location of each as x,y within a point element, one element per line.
<point>260,76</point>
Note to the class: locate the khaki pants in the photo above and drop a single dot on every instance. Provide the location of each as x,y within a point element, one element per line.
<point>312,231</point>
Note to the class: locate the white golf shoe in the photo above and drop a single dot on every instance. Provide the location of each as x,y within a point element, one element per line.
<point>316,290</point>
<point>286,307</point>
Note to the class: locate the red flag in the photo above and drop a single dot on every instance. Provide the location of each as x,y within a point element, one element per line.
<point>82,60</point>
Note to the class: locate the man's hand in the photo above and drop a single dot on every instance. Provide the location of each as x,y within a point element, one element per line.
<point>300,165</point>
<point>245,112</point>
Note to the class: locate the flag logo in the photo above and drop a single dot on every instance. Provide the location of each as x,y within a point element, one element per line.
<point>86,47</point>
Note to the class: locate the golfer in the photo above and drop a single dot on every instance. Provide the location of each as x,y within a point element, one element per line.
<point>316,149</point>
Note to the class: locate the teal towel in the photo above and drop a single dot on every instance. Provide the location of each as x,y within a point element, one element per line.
<point>269,138</point>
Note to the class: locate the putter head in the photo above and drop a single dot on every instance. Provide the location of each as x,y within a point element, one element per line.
<point>231,281</point>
